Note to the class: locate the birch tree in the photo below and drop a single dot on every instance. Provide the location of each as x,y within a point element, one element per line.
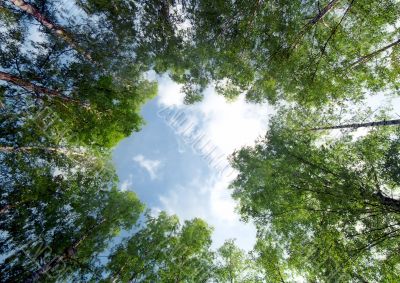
<point>57,216</point>
<point>330,205</point>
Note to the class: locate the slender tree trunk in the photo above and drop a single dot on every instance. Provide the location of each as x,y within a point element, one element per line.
<point>360,125</point>
<point>33,87</point>
<point>9,149</point>
<point>116,277</point>
<point>323,12</point>
<point>27,85</point>
<point>68,253</point>
<point>367,57</point>
<point>392,203</point>
<point>57,30</point>
<point>332,34</point>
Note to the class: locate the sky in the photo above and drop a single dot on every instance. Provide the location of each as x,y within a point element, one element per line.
<point>178,162</point>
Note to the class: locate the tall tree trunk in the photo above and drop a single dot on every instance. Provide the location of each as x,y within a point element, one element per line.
<point>360,125</point>
<point>9,149</point>
<point>368,57</point>
<point>33,87</point>
<point>68,253</point>
<point>116,276</point>
<point>57,30</point>
<point>323,12</point>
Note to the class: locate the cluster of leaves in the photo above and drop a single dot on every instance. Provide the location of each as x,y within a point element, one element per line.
<point>325,207</point>
<point>310,52</point>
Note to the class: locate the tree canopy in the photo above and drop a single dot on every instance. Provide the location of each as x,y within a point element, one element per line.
<point>322,186</point>
<point>328,207</point>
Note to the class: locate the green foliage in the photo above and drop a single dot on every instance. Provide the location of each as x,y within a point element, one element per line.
<point>324,206</point>
<point>233,265</point>
<point>272,50</point>
<point>162,250</point>
<point>96,101</point>
<point>110,113</point>
<point>53,208</point>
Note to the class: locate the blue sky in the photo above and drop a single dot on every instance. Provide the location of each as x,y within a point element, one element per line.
<point>178,161</point>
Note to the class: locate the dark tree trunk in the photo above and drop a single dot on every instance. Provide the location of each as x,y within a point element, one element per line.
<point>27,85</point>
<point>57,30</point>
<point>368,57</point>
<point>33,87</point>
<point>360,125</point>
<point>323,12</point>
<point>59,150</point>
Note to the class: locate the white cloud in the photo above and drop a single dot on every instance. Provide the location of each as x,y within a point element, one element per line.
<point>221,203</point>
<point>226,126</point>
<point>151,166</point>
<point>209,199</point>
<point>169,93</point>
<point>126,184</point>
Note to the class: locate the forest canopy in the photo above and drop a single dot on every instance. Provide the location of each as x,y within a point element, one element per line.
<point>322,186</point>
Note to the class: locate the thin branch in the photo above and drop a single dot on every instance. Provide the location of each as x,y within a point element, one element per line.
<point>368,57</point>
